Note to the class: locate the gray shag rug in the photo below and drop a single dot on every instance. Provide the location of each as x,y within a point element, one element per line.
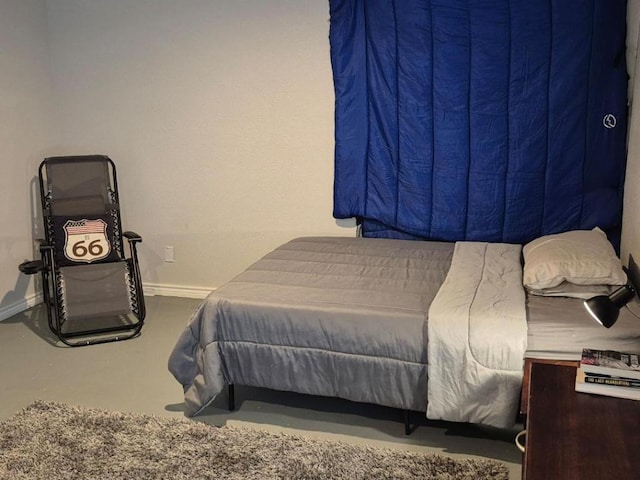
<point>55,441</point>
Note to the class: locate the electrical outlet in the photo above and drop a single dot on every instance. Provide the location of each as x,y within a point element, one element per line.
<point>169,256</point>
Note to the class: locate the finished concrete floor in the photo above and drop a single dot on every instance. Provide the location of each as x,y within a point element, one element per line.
<point>132,376</point>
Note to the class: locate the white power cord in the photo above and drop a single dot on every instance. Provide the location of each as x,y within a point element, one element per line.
<point>517,440</point>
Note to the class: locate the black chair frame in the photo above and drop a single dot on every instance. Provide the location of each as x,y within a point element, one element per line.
<point>49,269</point>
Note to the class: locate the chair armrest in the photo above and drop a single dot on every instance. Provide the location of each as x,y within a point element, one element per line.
<point>132,236</point>
<point>31,267</point>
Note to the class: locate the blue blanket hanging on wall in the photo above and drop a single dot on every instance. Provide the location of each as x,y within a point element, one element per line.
<point>491,120</point>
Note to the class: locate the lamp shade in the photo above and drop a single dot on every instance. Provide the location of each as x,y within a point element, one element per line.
<point>605,308</point>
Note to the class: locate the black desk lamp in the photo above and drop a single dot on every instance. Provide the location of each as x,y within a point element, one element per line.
<point>605,308</point>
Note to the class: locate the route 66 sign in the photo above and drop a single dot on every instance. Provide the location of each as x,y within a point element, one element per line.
<point>86,240</point>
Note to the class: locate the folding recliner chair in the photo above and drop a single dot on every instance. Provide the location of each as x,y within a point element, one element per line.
<point>92,289</point>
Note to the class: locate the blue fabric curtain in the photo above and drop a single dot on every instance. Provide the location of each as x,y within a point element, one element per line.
<point>492,120</point>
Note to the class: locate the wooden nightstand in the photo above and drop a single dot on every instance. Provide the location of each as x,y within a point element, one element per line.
<point>574,435</point>
<point>526,382</point>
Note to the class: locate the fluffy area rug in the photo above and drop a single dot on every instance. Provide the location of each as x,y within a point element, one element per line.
<point>54,441</point>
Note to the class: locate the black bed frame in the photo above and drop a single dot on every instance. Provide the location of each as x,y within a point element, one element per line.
<point>231,399</point>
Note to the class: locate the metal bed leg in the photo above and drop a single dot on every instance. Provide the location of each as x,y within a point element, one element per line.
<point>232,397</point>
<point>408,428</point>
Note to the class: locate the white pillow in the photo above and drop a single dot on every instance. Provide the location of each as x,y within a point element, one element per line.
<point>579,257</point>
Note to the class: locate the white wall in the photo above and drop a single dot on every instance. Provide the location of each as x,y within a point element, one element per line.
<point>631,213</point>
<point>218,114</point>
<point>26,132</point>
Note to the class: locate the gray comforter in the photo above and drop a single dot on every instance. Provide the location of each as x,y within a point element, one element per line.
<point>332,316</point>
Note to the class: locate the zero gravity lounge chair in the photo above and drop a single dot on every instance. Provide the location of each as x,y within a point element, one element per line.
<point>92,291</point>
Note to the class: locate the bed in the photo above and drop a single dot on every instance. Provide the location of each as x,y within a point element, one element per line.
<point>436,327</point>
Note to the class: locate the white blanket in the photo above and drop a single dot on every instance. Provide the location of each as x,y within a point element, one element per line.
<point>478,336</point>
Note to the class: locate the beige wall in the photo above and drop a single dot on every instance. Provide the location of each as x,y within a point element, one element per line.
<point>218,114</point>
<point>631,214</point>
<point>26,132</point>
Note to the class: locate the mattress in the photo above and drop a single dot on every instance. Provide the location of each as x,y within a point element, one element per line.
<point>559,328</point>
<point>348,317</point>
<point>331,316</point>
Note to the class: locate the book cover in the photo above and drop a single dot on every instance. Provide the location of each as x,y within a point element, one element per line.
<point>611,380</point>
<point>607,390</point>
<point>611,362</point>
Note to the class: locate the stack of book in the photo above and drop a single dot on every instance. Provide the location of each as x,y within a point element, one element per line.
<point>607,372</point>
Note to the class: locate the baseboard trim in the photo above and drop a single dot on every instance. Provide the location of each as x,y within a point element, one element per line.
<point>20,306</point>
<point>151,289</point>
